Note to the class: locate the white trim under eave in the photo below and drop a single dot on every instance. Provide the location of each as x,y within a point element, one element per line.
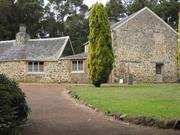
<point>140,11</point>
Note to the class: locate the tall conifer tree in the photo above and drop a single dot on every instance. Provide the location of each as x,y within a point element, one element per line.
<point>100,55</point>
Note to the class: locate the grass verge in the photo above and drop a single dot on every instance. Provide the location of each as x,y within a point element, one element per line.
<point>157,102</point>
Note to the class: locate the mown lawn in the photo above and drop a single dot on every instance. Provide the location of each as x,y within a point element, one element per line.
<point>160,101</point>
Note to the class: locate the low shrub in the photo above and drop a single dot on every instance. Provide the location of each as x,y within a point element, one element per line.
<point>13,107</point>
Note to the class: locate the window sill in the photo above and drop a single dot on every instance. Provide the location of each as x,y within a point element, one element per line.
<point>35,73</point>
<point>77,72</point>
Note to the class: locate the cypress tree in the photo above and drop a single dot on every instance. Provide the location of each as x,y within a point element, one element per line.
<point>100,55</point>
<point>179,45</point>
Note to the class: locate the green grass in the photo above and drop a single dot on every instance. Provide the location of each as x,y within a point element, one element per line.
<point>159,101</point>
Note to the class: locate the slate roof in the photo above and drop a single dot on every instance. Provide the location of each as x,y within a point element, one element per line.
<point>34,49</point>
<point>76,56</point>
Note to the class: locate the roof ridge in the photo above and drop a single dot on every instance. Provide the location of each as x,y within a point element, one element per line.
<point>161,20</point>
<point>44,39</point>
<point>7,41</point>
<point>125,20</point>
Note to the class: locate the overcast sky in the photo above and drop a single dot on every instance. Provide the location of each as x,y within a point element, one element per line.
<point>90,2</point>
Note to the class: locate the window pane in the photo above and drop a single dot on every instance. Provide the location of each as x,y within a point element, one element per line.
<point>41,66</point>
<point>30,67</point>
<point>35,66</point>
<point>80,65</point>
<point>74,65</point>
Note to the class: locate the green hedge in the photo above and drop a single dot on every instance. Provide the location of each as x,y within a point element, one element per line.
<point>13,107</point>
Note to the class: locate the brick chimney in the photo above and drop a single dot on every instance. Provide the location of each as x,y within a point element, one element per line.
<point>22,36</point>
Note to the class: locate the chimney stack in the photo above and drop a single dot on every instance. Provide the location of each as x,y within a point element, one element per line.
<point>22,36</point>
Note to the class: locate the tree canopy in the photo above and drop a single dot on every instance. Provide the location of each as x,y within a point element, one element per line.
<point>70,17</point>
<point>15,12</point>
<point>115,9</point>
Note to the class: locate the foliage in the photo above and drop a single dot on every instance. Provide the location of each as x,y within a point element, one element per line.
<point>115,9</point>
<point>15,12</point>
<point>13,107</point>
<point>77,27</point>
<point>166,9</point>
<point>100,55</point>
<point>159,101</point>
<point>67,18</point>
<point>179,45</point>
<point>137,5</point>
<point>45,20</point>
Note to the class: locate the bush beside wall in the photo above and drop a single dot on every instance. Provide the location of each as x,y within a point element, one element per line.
<point>13,107</point>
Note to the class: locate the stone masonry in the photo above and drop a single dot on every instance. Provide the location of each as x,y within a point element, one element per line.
<point>53,71</point>
<point>140,44</point>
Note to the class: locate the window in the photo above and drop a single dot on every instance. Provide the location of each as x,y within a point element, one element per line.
<point>35,67</point>
<point>77,66</point>
<point>159,69</point>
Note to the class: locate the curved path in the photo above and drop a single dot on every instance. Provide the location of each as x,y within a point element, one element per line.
<point>53,112</point>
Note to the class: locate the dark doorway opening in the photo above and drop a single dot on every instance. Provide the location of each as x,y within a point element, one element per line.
<point>159,72</point>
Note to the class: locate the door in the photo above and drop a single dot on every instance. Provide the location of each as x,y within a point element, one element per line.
<point>159,76</point>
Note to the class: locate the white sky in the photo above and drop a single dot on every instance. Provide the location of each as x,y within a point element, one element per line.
<point>90,2</point>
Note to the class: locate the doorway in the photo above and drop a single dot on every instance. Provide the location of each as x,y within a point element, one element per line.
<point>159,72</point>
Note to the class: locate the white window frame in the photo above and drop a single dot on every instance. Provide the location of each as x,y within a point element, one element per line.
<point>35,72</point>
<point>78,71</point>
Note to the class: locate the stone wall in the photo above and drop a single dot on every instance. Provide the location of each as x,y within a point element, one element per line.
<point>14,70</point>
<point>53,72</point>
<point>80,77</point>
<point>140,44</point>
<point>60,72</point>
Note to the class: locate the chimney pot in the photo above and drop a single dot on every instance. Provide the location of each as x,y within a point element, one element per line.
<point>22,28</point>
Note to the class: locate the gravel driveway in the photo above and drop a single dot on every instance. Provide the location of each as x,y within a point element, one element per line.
<point>55,113</point>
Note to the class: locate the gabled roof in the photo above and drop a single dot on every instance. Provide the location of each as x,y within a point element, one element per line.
<point>49,49</point>
<point>125,20</point>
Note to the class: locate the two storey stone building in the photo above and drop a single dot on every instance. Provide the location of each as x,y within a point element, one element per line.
<point>146,47</point>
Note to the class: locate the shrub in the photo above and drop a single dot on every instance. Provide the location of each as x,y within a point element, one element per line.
<point>100,55</point>
<point>13,107</point>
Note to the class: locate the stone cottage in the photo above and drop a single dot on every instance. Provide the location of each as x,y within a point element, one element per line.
<point>40,60</point>
<point>144,46</point>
